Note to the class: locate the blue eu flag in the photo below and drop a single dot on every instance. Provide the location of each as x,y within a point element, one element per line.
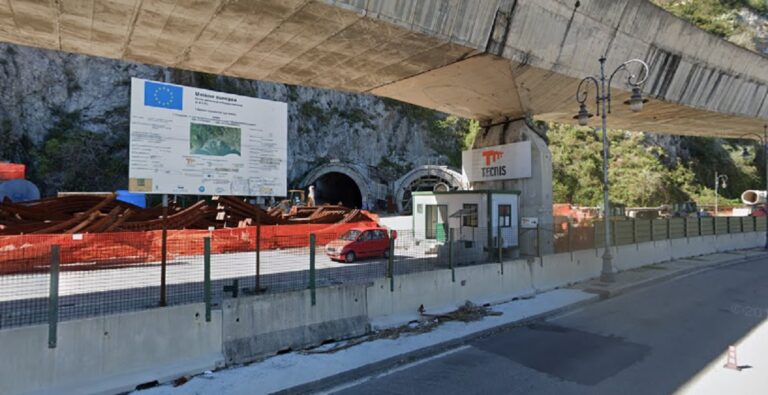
<point>163,95</point>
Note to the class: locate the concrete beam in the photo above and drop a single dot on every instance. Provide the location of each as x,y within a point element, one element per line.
<point>489,60</point>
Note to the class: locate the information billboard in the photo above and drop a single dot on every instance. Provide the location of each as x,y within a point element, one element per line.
<point>191,141</point>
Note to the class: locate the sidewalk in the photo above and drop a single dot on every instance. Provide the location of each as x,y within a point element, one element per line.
<point>299,372</point>
<point>651,274</point>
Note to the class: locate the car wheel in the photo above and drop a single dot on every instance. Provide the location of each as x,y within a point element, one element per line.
<point>386,253</point>
<point>350,257</point>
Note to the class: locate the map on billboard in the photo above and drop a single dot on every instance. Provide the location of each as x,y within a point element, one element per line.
<point>191,141</point>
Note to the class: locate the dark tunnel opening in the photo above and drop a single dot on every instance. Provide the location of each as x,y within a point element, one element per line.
<point>332,188</point>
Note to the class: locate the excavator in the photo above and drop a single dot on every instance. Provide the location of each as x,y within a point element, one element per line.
<point>296,197</point>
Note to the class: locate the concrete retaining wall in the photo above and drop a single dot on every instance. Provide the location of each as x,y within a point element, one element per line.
<point>110,354</point>
<point>262,325</point>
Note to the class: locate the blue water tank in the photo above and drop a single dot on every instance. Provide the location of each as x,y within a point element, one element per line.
<point>136,199</point>
<point>18,190</point>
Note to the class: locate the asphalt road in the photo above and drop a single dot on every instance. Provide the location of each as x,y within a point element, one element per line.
<point>668,338</point>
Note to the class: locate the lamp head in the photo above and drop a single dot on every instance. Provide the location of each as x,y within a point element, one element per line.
<point>583,115</point>
<point>636,101</point>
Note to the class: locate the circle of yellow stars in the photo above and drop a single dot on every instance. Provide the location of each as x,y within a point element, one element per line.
<point>163,89</point>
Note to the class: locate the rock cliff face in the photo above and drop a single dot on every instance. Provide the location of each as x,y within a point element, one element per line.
<point>67,117</point>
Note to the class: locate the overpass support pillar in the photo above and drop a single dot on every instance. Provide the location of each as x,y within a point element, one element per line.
<point>535,192</point>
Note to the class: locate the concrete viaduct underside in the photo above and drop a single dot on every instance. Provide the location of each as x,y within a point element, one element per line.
<point>492,60</point>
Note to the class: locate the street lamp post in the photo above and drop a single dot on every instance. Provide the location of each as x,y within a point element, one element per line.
<point>763,139</point>
<point>719,179</point>
<point>603,99</point>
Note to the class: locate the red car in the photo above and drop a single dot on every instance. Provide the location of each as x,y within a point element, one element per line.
<point>359,243</point>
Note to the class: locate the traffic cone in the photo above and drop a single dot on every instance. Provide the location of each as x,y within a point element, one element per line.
<point>732,363</point>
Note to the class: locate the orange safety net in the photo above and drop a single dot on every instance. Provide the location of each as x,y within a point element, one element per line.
<point>32,253</point>
<point>12,171</point>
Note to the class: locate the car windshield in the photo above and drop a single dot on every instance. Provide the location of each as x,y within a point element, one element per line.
<point>351,235</point>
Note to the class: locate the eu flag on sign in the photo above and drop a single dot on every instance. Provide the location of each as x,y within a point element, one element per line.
<point>163,95</point>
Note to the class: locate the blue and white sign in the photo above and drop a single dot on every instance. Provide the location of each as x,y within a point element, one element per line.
<point>200,142</point>
<point>163,95</point>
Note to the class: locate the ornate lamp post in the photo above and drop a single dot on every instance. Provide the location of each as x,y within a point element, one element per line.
<point>720,179</point>
<point>763,139</point>
<point>603,99</point>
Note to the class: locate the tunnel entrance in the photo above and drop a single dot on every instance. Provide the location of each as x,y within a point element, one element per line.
<point>335,187</point>
<point>423,184</point>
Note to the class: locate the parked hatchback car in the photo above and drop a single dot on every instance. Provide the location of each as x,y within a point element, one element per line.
<point>359,243</point>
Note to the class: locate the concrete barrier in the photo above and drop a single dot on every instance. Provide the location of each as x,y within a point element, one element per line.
<point>262,325</point>
<point>114,353</point>
<point>436,291</point>
<point>110,354</point>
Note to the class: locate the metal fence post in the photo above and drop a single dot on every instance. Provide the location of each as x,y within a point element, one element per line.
<point>634,230</point>
<point>699,224</point>
<point>538,240</point>
<point>498,241</point>
<point>312,294</point>
<point>164,252</point>
<point>450,254</point>
<point>207,277</point>
<point>53,296</point>
<point>669,228</point>
<point>594,235</point>
<point>258,250</point>
<point>391,261</point>
<point>570,238</point>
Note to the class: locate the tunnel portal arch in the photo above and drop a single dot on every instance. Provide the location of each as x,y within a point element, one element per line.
<point>427,178</point>
<point>339,182</point>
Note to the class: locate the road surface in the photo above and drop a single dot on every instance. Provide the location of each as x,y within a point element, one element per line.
<point>668,338</point>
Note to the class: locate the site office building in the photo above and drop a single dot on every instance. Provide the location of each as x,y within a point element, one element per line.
<point>472,216</point>
<point>477,216</point>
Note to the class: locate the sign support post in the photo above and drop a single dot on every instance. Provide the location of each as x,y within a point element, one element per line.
<point>164,252</point>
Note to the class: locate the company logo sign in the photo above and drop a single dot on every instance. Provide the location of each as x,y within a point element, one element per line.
<point>499,162</point>
<point>491,169</point>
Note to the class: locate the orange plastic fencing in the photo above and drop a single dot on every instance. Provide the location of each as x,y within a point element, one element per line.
<point>31,253</point>
<point>12,171</point>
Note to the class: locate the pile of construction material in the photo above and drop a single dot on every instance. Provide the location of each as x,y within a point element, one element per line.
<point>97,214</point>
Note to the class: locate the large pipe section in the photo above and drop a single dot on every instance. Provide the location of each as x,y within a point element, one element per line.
<point>753,197</point>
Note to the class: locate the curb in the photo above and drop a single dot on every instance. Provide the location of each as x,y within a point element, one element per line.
<point>332,381</point>
<point>606,293</point>
<point>422,353</point>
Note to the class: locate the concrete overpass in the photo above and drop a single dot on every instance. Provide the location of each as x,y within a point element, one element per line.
<point>489,59</point>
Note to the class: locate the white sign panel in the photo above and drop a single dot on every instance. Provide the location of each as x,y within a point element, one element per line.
<point>499,162</point>
<point>529,222</point>
<point>200,142</point>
